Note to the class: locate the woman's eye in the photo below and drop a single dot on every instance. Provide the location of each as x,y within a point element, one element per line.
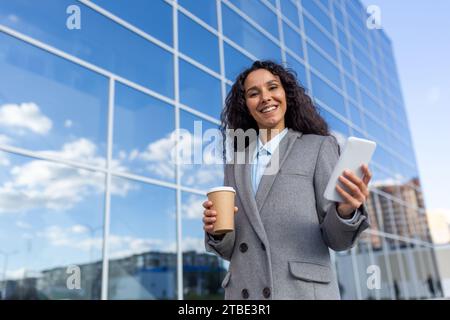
<point>274,87</point>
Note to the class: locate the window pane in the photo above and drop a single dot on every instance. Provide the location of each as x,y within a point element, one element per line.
<point>319,38</point>
<point>62,112</point>
<point>370,104</point>
<point>325,3</point>
<point>202,164</point>
<point>355,115</point>
<point>318,14</point>
<point>202,272</point>
<point>153,17</point>
<point>235,62</point>
<point>293,40</point>
<point>324,66</point>
<point>193,41</point>
<point>366,81</point>
<point>260,14</point>
<point>363,59</point>
<point>299,68</point>
<point>339,128</point>
<point>143,141</point>
<point>200,90</point>
<point>347,63</point>
<point>338,13</point>
<point>343,39</point>
<point>327,94</point>
<point>241,32</point>
<point>203,9</point>
<point>345,273</point>
<point>45,21</point>
<point>289,10</point>
<point>51,222</point>
<point>351,88</point>
<point>142,242</point>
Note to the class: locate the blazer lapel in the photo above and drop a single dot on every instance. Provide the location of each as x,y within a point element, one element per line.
<point>274,166</point>
<point>242,175</point>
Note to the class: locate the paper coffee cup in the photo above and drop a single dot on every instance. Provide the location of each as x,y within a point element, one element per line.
<point>223,203</point>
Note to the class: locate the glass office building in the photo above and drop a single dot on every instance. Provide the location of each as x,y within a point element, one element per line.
<point>92,205</point>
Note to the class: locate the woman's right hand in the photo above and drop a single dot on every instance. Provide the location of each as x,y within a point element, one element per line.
<point>209,216</point>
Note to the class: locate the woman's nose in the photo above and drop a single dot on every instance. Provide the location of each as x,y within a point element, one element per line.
<point>266,96</point>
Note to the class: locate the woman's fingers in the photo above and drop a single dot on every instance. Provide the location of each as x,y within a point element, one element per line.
<point>236,209</point>
<point>209,220</point>
<point>367,174</point>
<point>354,189</point>
<point>348,198</point>
<point>362,187</point>
<point>210,213</point>
<point>207,204</point>
<point>208,228</point>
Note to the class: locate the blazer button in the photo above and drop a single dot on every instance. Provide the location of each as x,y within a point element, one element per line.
<point>243,247</point>
<point>263,246</point>
<point>266,292</point>
<point>245,293</point>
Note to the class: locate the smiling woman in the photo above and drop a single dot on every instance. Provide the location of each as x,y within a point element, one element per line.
<point>284,225</point>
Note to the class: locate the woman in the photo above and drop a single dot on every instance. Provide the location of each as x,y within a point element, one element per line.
<point>279,248</point>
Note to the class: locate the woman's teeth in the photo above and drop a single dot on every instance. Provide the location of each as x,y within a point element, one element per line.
<point>269,109</point>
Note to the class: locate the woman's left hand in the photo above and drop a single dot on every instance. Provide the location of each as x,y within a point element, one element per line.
<point>358,191</point>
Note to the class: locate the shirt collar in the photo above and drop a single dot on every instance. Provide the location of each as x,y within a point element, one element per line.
<point>270,146</point>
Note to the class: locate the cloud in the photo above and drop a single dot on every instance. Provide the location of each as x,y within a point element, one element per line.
<point>43,184</point>
<point>159,159</point>
<point>68,123</point>
<point>192,208</point>
<point>188,244</point>
<point>24,116</point>
<point>23,225</point>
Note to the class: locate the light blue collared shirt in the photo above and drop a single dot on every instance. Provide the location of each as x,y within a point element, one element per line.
<point>261,158</point>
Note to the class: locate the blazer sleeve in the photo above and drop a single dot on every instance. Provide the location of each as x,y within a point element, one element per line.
<point>337,233</point>
<point>223,247</point>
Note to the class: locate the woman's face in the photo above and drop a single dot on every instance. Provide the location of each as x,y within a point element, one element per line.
<point>266,99</point>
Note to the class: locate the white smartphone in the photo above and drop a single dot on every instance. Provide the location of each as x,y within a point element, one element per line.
<point>356,152</point>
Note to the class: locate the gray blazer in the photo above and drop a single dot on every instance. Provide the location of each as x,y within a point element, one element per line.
<point>279,249</point>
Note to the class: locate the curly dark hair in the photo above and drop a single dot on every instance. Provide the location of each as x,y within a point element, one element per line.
<point>301,114</point>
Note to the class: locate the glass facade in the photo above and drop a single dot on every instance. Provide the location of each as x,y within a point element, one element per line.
<point>92,205</point>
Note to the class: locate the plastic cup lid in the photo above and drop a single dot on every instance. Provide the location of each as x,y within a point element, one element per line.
<point>221,189</point>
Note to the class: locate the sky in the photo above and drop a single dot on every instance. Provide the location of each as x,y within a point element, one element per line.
<point>420,33</point>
